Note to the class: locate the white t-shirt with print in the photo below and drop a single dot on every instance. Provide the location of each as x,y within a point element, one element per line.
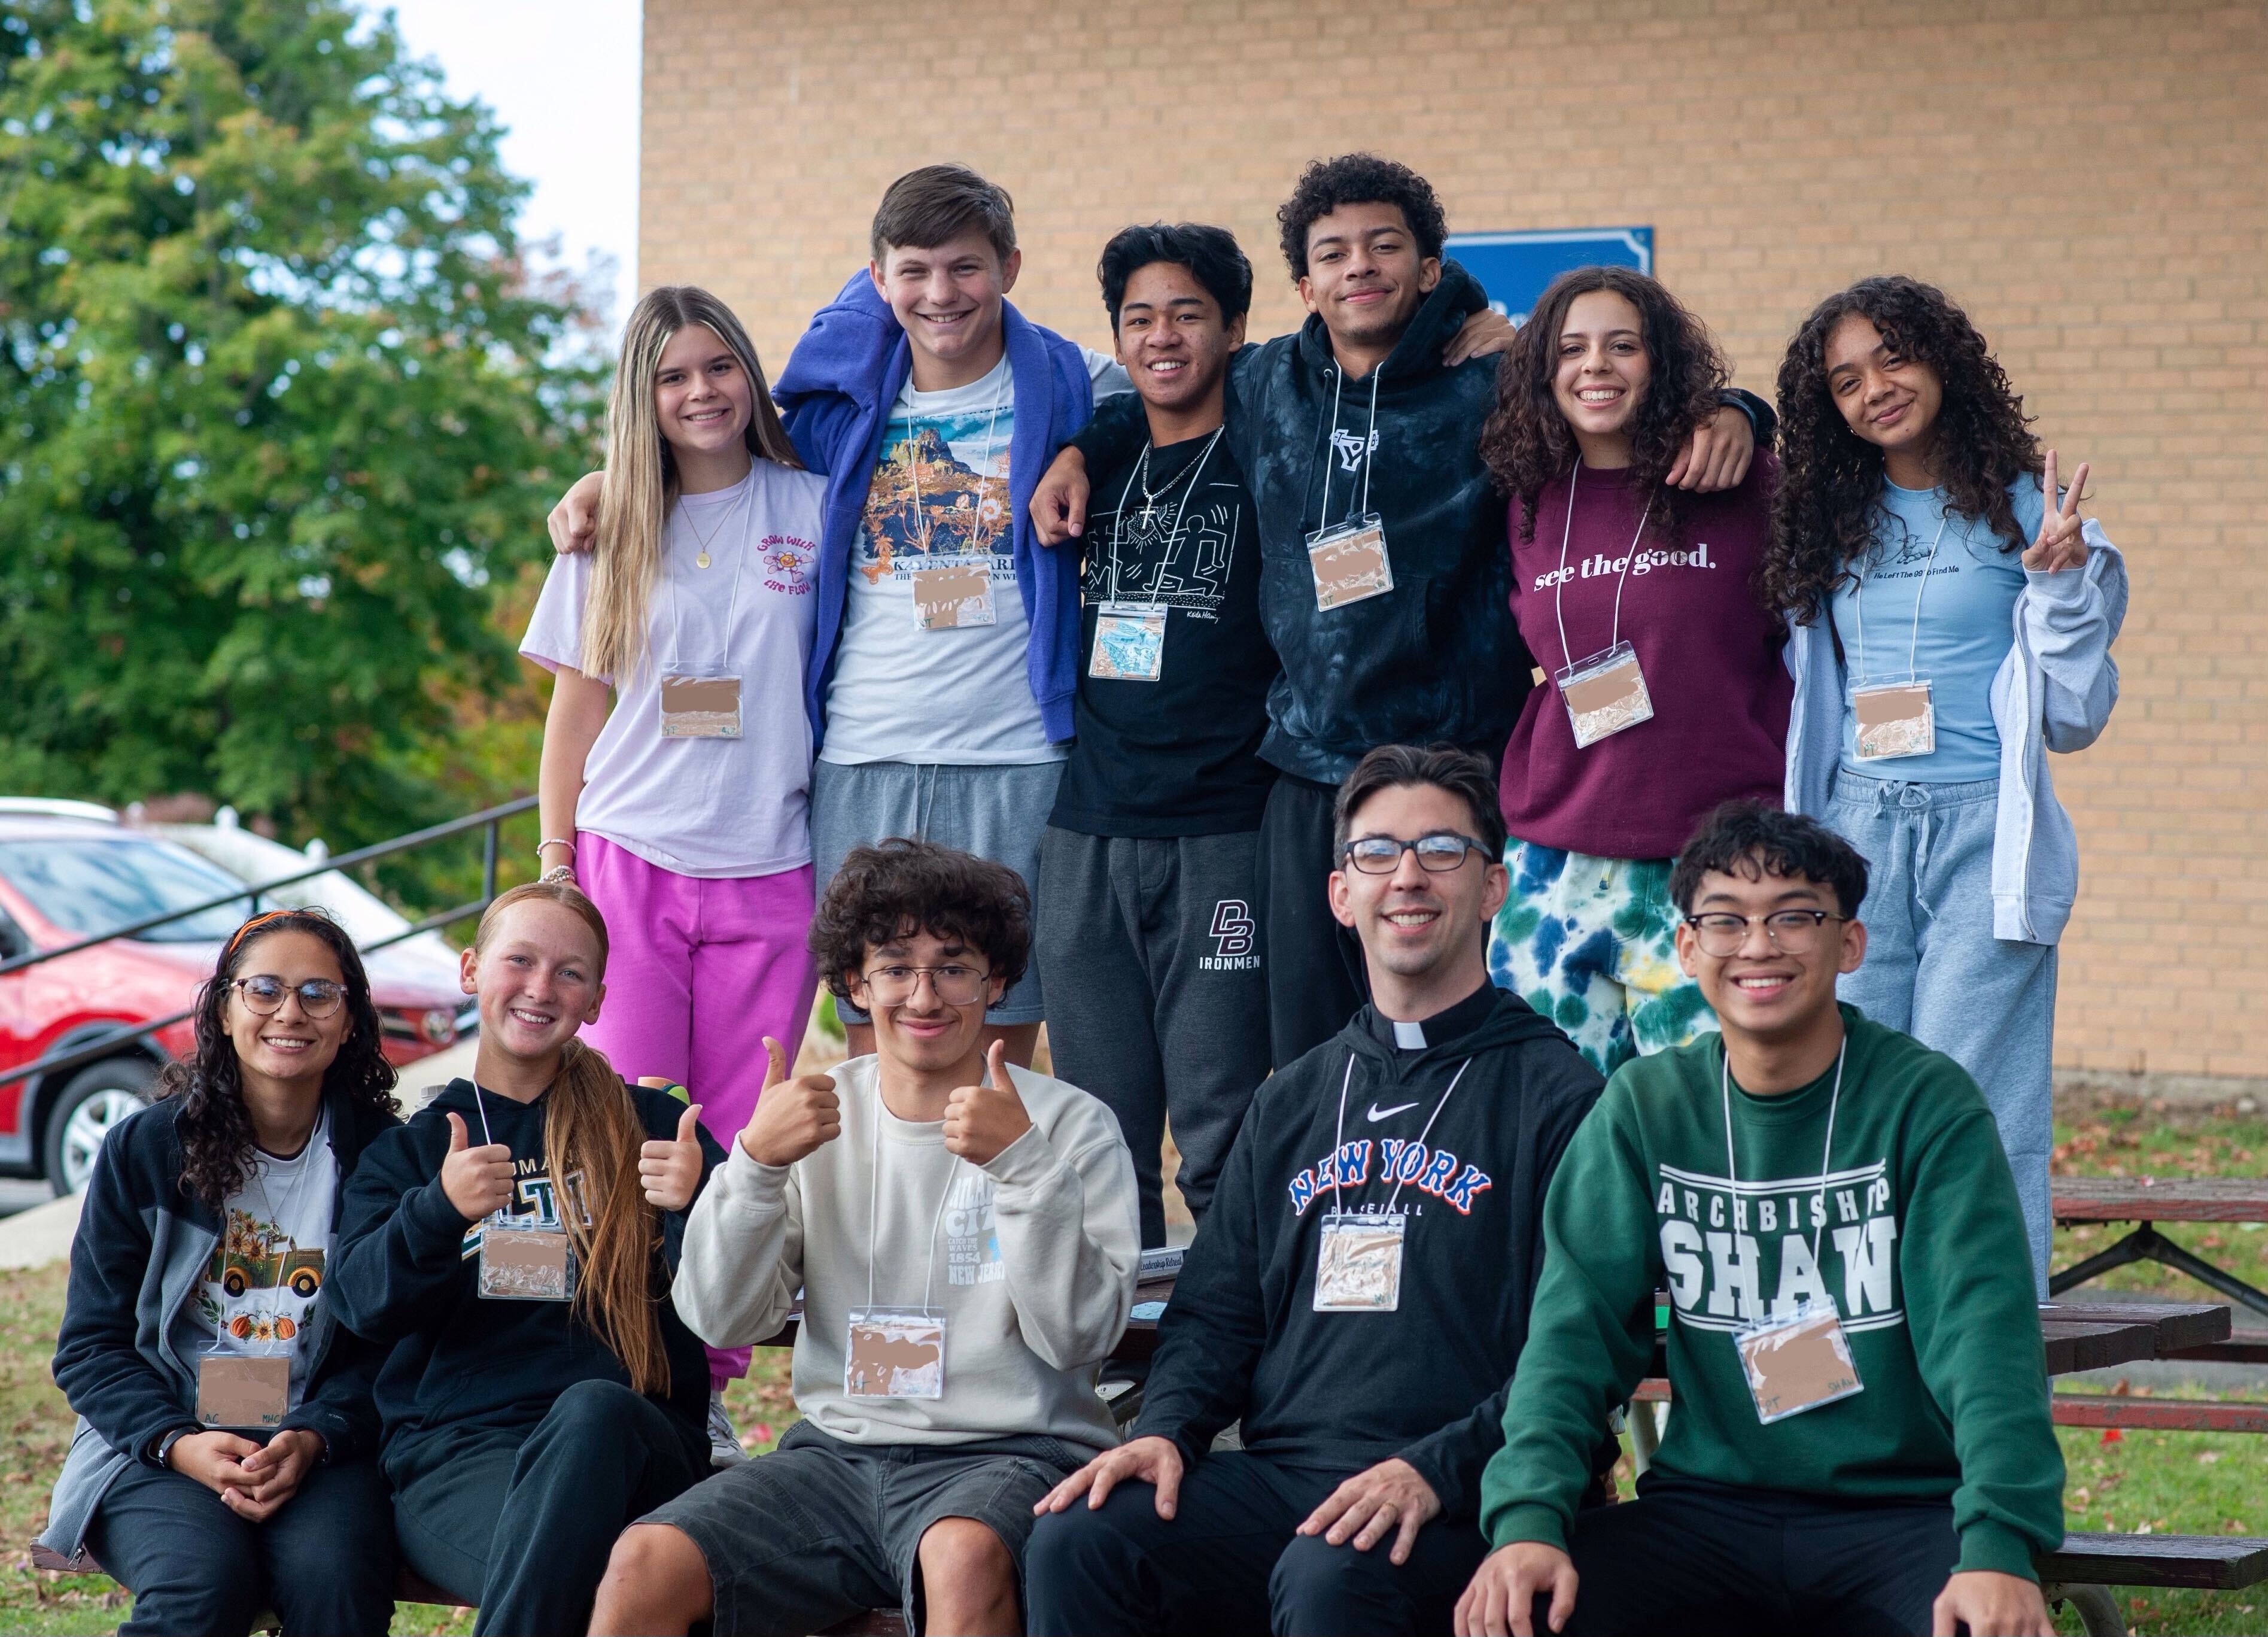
<point>696,805</point>
<point>267,1274</point>
<point>940,493</point>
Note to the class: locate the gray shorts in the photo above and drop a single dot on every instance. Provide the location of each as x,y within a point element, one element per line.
<point>821,1530</point>
<point>996,813</point>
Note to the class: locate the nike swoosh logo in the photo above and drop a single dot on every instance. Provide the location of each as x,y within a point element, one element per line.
<point>1377,1113</point>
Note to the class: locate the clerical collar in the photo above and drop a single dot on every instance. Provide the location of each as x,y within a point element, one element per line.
<point>1448,1024</point>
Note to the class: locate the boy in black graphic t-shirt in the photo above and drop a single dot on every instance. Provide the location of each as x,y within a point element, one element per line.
<point>1147,945</point>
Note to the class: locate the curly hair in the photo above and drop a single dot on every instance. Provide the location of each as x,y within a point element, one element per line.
<point>1755,839</point>
<point>903,886</point>
<point>1359,178</point>
<point>1829,501</point>
<point>1526,441</point>
<point>213,1126</point>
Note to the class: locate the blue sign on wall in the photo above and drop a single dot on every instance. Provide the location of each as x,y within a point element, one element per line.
<point>1513,268</point>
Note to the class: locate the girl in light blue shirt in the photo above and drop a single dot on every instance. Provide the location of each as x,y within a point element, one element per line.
<point>1950,624</point>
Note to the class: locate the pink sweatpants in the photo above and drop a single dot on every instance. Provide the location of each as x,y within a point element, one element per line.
<point>699,970</point>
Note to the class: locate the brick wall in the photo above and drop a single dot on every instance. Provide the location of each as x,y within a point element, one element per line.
<point>2088,177</point>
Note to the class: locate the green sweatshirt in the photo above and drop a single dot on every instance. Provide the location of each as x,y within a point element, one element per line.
<point>1922,1246</point>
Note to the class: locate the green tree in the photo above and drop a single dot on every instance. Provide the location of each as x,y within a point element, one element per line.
<point>280,411</point>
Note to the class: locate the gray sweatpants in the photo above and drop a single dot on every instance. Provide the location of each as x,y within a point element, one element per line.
<point>1157,1003</point>
<point>1934,969</point>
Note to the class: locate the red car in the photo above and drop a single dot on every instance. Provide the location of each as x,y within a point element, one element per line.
<point>63,879</point>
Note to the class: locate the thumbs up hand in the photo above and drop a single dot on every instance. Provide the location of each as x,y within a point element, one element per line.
<point>793,1118</point>
<point>671,1169</point>
<point>980,1121</point>
<point>477,1181</point>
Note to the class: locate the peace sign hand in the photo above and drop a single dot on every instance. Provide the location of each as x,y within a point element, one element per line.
<point>2060,545</point>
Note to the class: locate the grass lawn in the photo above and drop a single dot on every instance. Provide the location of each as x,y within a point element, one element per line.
<point>2170,1483</point>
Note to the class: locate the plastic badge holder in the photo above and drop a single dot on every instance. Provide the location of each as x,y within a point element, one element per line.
<point>1359,1263</point>
<point>894,1352</point>
<point>1798,1362</point>
<point>1894,719</point>
<point>700,702</point>
<point>1350,563</point>
<point>1130,642</point>
<point>525,1263</point>
<point>250,1390</point>
<point>1604,694</point>
<point>954,595</point>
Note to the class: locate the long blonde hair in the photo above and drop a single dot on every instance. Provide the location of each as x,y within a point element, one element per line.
<point>591,1127</point>
<point>642,480</point>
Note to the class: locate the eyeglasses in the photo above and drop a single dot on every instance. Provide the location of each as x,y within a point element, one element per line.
<point>1791,932</point>
<point>1437,853</point>
<point>954,985</point>
<point>263,996</point>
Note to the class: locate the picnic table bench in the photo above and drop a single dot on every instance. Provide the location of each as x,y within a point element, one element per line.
<point>2148,1200</point>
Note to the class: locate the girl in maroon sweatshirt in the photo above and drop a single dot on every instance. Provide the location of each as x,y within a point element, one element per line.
<point>1667,694</point>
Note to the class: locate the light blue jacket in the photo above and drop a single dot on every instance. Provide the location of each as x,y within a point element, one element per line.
<point>2053,692</point>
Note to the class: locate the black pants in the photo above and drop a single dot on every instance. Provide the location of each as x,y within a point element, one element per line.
<point>1695,1557</point>
<point>1315,974</point>
<point>1150,957</point>
<point>519,1521</point>
<point>1228,1560</point>
<point>324,1562</point>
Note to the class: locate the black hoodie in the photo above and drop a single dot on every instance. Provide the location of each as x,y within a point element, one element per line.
<point>407,1272</point>
<point>1426,1382</point>
<point>1437,658</point>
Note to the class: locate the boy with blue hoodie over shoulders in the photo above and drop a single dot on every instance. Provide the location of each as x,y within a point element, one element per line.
<point>940,682</point>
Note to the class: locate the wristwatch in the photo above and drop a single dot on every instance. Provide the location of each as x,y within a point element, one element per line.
<point>165,1444</point>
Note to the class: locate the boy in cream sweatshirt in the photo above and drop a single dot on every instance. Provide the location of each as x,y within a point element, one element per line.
<point>965,1238</point>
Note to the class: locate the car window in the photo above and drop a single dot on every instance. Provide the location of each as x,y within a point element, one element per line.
<point>90,886</point>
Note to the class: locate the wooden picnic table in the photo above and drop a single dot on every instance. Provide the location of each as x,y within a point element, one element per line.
<point>2145,1200</point>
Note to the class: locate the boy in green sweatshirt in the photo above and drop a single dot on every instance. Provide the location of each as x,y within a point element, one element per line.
<point>1861,1438</point>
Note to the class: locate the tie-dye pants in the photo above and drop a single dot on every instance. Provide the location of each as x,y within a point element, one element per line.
<point>1591,944</point>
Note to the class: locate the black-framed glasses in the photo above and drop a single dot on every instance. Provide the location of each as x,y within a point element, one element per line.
<point>1437,854</point>
<point>1722,933</point>
<point>952,983</point>
<point>263,995</point>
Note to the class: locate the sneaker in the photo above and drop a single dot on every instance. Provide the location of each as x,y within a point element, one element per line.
<point>724,1438</point>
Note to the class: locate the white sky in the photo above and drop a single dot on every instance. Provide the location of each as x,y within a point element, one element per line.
<point>562,75</point>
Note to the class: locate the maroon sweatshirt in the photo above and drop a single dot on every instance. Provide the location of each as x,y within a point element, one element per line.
<point>1711,661</point>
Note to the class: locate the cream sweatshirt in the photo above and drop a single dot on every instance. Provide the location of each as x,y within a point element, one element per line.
<point>1029,1260</point>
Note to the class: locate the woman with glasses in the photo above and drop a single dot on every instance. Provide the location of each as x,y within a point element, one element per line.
<point>1634,594</point>
<point>224,1457</point>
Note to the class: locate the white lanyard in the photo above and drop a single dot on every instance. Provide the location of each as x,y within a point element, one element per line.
<point>292,1194</point>
<point>1559,581</point>
<point>1369,446</point>
<point>873,1206</point>
<point>1732,1170</point>
<point>739,566</point>
<point>1858,604</point>
<point>1338,1133</point>
<point>1174,529</point>
<point>984,467</point>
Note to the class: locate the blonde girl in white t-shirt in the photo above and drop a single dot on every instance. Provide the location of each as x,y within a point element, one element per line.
<point>680,804</point>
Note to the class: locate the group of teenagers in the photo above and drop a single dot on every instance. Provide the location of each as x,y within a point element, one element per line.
<point>1219,704</point>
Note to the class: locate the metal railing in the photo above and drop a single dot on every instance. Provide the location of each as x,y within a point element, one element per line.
<point>488,822</point>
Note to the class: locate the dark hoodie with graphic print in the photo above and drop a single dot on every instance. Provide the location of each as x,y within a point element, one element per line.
<point>1341,1392</point>
<point>1438,656</point>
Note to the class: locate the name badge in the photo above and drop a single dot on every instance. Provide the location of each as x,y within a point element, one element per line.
<point>1349,562</point>
<point>699,707</point>
<point>894,1352</point>
<point>952,596</point>
<point>1130,642</point>
<point>1359,1263</point>
<point>247,1390</point>
<point>525,1263</point>
<point>1604,694</point>
<point>1798,1362</point>
<point>1895,720</point>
